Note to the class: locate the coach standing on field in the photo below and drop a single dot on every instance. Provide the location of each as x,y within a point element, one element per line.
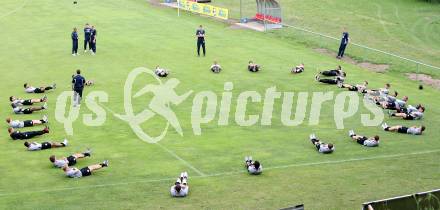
<point>78,82</point>
<point>200,33</point>
<point>344,42</point>
<point>87,33</point>
<point>93,34</point>
<point>74,42</point>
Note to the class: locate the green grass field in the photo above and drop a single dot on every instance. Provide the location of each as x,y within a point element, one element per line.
<point>406,28</point>
<point>132,33</point>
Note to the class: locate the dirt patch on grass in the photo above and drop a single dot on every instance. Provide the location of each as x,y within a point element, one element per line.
<point>425,79</point>
<point>380,68</point>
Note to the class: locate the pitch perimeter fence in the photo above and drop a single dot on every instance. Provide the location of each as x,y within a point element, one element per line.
<point>241,9</point>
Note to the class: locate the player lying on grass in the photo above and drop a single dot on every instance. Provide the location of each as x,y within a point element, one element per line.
<point>393,103</point>
<point>16,135</point>
<point>298,69</point>
<point>25,123</point>
<point>333,81</point>
<point>215,67</point>
<point>20,102</point>
<point>359,88</point>
<point>180,188</point>
<point>365,141</point>
<point>70,160</point>
<point>409,115</point>
<point>253,167</point>
<point>253,67</point>
<point>34,146</point>
<point>382,91</point>
<point>334,73</point>
<point>410,108</point>
<point>73,172</point>
<point>160,72</point>
<point>414,130</point>
<point>320,146</point>
<point>31,89</point>
<point>30,110</point>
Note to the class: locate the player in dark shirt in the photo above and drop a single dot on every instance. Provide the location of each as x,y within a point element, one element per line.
<point>16,135</point>
<point>93,35</point>
<point>78,83</point>
<point>200,33</point>
<point>334,72</point>
<point>344,42</point>
<point>74,36</point>
<point>87,33</point>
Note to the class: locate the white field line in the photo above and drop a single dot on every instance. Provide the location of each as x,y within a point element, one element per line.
<point>226,173</point>
<point>186,163</point>
<point>14,10</point>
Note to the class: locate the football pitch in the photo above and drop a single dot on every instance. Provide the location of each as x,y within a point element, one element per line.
<point>132,33</point>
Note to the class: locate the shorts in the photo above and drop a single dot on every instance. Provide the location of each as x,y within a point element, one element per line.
<point>86,171</point>
<point>79,91</point>
<point>71,160</point>
<point>402,129</point>
<point>38,90</point>
<point>28,123</point>
<point>46,145</point>
<point>27,111</point>
<point>408,117</point>
<point>391,105</point>
<point>353,88</point>
<point>318,146</point>
<point>27,102</point>
<point>361,140</point>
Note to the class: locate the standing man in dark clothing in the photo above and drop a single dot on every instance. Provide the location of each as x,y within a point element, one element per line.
<point>93,34</point>
<point>74,42</point>
<point>344,42</point>
<point>78,82</point>
<point>200,33</point>
<point>87,32</point>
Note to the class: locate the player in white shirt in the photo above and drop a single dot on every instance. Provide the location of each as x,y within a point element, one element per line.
<point>25,123</point>
<point>320,146</point>
<point>393,103</point>
<point>365,141</point>
<point>359,88</point>
<point>413,130</point>
<point>180,187</point>
<point>73,172</point>
<point>34,146</point>
<point>160,72</point>
<point>253,167</point>
<point>70,160</point>
<point>413,115</point>
<point>216,68</point>
<point>253,67</point>
<point>298,69</point>
<point>30,110</point>
<point>20,102</point>
<point>382,91</point>
<point>31,89</point>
